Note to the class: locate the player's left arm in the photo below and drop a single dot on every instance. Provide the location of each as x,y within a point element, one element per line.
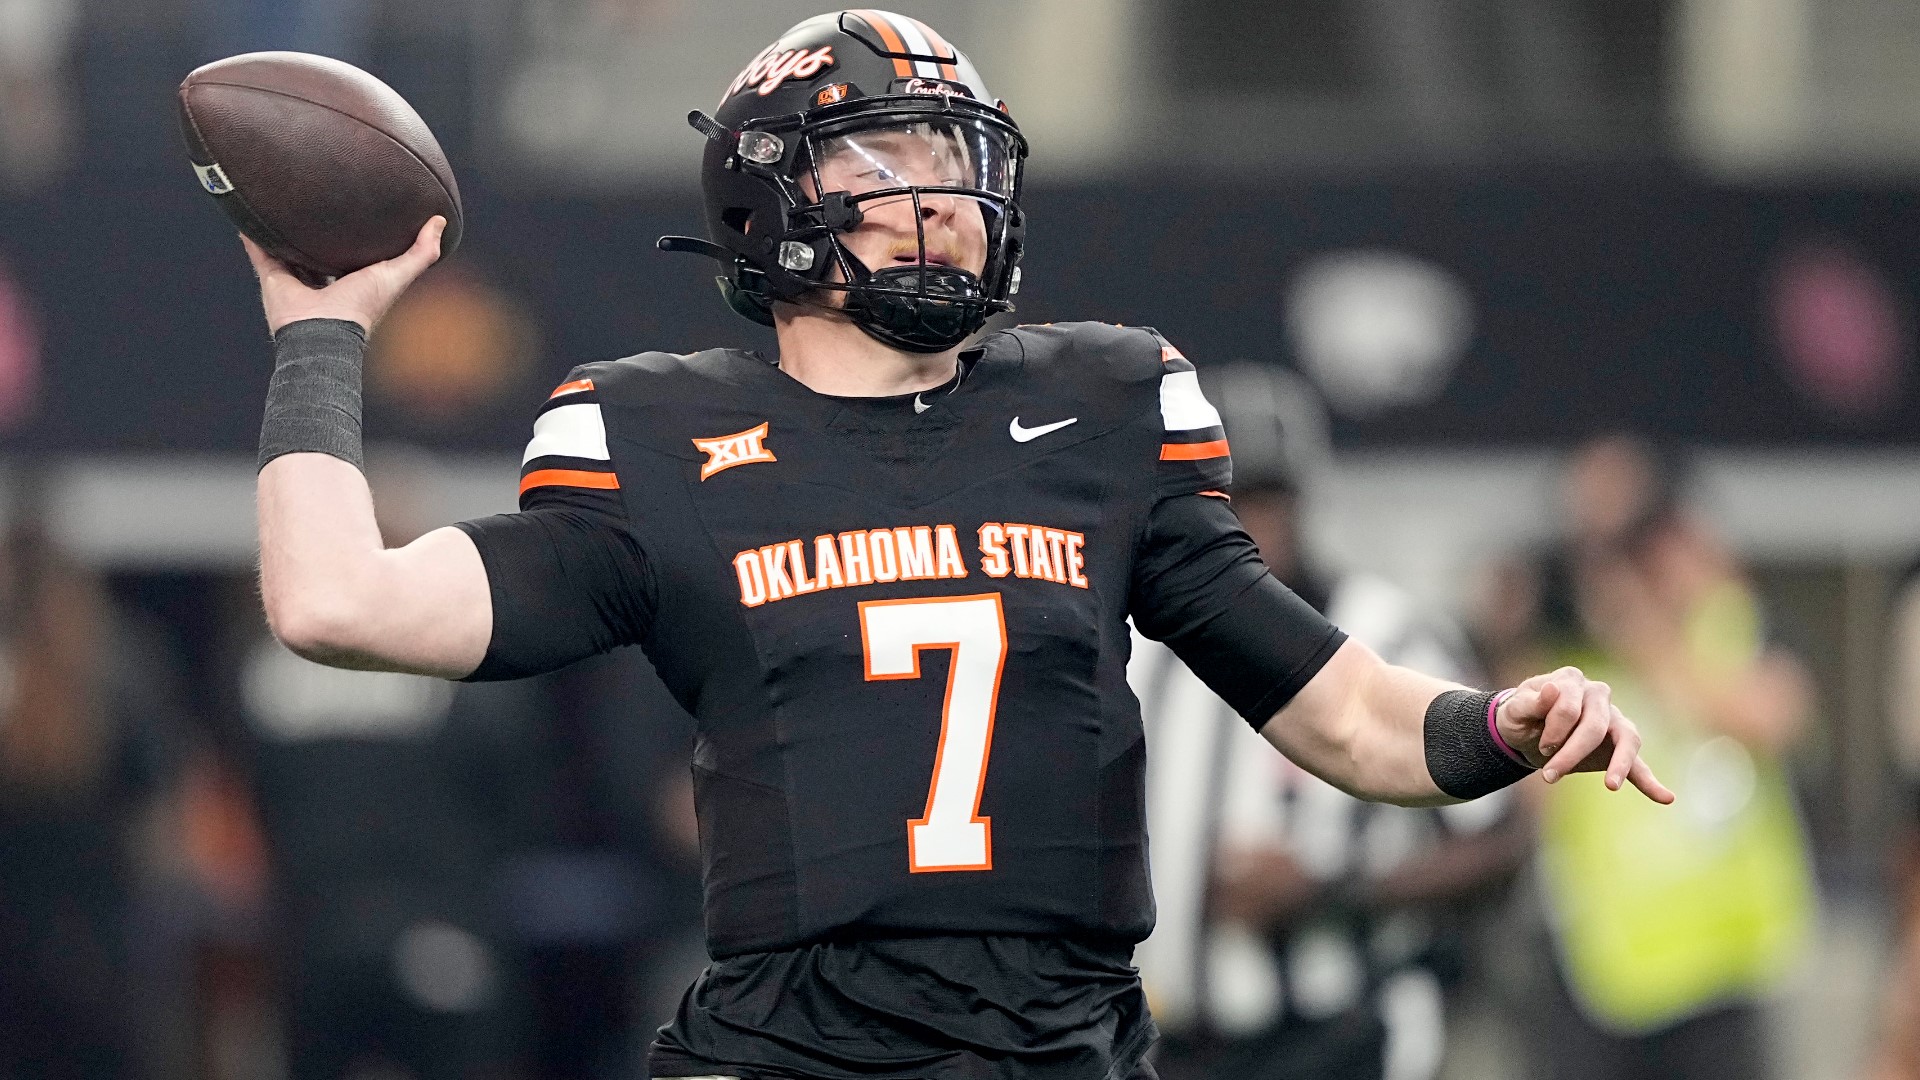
<point>1368,727</point>
<point>1374,730</point>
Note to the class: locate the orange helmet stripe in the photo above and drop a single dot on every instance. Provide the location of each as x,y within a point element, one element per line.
<point>890,37</point>
<point>947,70</point>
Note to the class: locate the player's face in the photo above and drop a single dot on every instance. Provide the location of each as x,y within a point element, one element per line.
<point>916,155</point>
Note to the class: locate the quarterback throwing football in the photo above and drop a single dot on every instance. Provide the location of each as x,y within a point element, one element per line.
<point>890,573</point>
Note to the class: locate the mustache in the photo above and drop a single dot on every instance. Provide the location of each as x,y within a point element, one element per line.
<point>910,249</point>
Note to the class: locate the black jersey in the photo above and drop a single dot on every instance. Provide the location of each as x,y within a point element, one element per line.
<point>901,624</point>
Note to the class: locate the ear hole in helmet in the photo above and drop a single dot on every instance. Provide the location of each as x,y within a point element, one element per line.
<point>737,218</point>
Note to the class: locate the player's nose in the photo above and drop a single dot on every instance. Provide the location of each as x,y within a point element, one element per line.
<point>938,206</point>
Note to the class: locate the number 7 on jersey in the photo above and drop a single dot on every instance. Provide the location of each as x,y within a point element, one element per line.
<point>950,834</point>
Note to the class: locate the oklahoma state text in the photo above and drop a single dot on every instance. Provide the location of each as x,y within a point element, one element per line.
<point>907,553</point>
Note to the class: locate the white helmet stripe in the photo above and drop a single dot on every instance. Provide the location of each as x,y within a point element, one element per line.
<point>917,43</point>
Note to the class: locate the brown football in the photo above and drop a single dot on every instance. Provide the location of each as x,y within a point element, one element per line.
<point>319,162</point>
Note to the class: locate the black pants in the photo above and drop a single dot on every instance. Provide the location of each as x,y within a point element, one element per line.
<point>1348,1047</point>
<point>1143,1071</point>
<point>1726,1043</point>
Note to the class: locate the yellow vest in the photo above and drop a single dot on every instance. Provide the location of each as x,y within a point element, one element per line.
<point>1661,912</point>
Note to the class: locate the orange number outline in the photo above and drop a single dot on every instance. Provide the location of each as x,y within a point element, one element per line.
<point>948,729</point>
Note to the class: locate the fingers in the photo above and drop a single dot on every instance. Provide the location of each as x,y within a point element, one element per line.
<point>1565,697</point>
<point>1582,731</point>
<point>1625,765</point>
<point>1592,722</point>
<point>1641,776</point>
<point>1537,681</point>
<point>425,250</point>
<point>1532,700</point>
<point>1626,750</point>
<point>264,265</point>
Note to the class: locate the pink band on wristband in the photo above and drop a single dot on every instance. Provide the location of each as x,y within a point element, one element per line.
<point>1493,729</point>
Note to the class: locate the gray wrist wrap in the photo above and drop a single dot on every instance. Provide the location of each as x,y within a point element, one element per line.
<point>313,400</point>
<point>1462,757</point>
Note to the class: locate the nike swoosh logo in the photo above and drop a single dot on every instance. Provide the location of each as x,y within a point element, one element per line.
<point>920,406</point>
<point>1028,434</point>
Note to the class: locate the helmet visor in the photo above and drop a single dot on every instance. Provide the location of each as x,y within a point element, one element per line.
<point>883,159</point>
<point>939,185</point>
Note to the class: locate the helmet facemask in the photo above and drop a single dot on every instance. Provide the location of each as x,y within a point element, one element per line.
<point>951,165</point>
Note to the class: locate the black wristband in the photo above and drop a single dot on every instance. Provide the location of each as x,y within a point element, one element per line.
<point>1462,757</point>
<point>313,399</point>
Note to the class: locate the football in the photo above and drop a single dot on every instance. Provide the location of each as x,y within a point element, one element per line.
<point>320,163</point>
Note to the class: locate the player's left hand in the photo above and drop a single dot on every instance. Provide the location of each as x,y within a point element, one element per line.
<point>1567,723</point>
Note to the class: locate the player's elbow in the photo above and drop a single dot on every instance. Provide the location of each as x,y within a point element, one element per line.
<point>316,624</point>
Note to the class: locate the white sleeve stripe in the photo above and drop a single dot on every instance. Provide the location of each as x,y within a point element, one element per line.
<point>575,431</point>
<point>1182,406</point>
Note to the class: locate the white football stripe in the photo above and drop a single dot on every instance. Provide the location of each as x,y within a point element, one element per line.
<point>569,431</point>
<point>917,43</point>
<point>1182,406</point>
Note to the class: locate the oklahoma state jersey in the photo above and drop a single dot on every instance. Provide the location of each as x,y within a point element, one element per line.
<point>901,623</point>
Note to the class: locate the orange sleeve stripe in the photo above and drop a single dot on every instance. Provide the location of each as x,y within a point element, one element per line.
<point>1193,451</point>
<point>894,42</point>
<point>575,386</point>
<point>605,481</point>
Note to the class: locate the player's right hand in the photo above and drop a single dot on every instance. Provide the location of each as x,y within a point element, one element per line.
<point>362,296</point>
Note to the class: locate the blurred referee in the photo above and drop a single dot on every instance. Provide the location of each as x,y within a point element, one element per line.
<point>1301,931</point>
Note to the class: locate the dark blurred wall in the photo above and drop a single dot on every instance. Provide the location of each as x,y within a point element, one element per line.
<point>1585,304</point>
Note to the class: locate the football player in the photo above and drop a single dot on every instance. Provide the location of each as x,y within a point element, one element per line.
<point>889,570</point>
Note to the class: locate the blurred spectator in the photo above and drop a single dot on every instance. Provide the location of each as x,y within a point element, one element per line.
<point>388,803</point>
<point>19,353</point>
<point>603,895</point>
<point>1898,1057</point>
<point>86,712</point>
<point>1670,926</point>
<point>207,920</point>
<point>36,98</point>
<point>1530,611</point>
<point>452,348</point>
<point>1302,933</point>
<point>472,879</point>
<point>382,813</point>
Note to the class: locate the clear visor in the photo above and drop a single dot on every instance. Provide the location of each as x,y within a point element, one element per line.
<point>956,154</point>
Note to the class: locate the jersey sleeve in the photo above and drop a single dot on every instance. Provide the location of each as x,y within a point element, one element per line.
<point>1193,442</point>
<point>567,576</point>
<point>1199,586</point>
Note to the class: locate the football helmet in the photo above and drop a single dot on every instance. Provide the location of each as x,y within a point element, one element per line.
<point>845,113</point>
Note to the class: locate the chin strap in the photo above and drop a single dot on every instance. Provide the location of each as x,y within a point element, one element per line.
<point>948,305</point>
<point>750,303</point>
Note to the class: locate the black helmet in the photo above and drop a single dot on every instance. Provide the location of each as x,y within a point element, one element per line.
<point>889,95</point>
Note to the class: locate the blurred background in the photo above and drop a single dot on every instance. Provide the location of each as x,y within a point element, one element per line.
<point>1589,324</point>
